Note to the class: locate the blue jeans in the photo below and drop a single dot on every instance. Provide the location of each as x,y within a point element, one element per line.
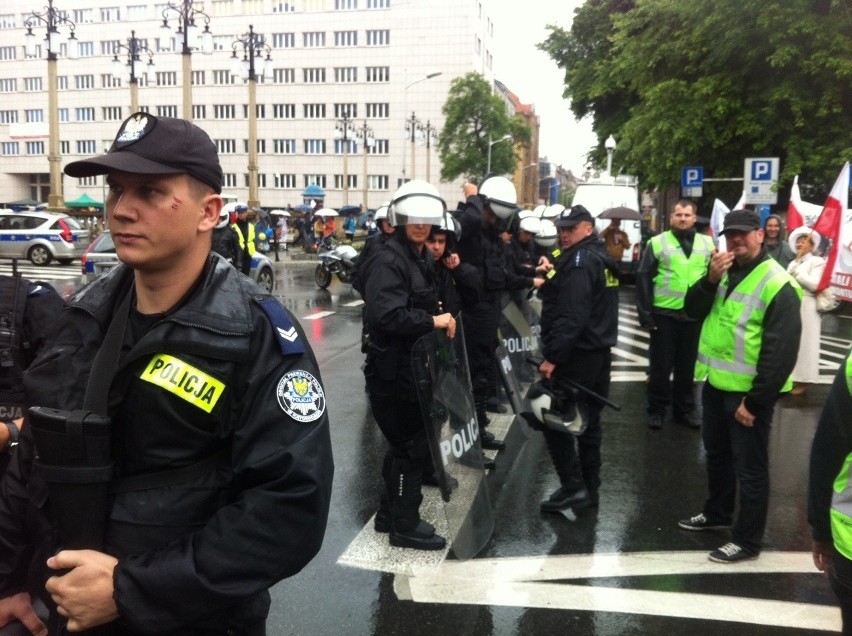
<point>736,455</point>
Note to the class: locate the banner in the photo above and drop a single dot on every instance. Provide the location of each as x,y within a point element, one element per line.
<point>835,224</point>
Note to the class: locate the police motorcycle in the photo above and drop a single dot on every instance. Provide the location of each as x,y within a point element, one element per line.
<point>335,259</point>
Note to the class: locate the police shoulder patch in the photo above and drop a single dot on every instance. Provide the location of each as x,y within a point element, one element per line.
<point>38,289</point>
<point>300,396</point>
<point>285,331</point>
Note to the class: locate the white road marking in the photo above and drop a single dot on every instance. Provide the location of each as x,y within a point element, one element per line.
<point>318,315</point>
<point>354,303</point>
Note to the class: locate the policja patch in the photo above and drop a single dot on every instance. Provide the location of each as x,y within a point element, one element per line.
<point>301,396</point>
<point>184,380</point>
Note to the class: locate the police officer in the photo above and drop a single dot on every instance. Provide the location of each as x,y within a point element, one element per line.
<point>225,240</point>
<point>579,324</point>
<point>220,431</point>
<point>401,301</point>
<point>372,243</point>
<point>459,285</point>
<point>246,235</point>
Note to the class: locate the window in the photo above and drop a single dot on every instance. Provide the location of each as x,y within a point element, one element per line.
<point>314,146</point>
<point>378,74</point>
<point>378,4</point>
<point>477,45</point>
<point>283,40</point>
<point>64,147</point>
<point>229,180</point>
<point>346,38</point>
<point>86,49</point>
<point>284,146</point>
<point>7,52</point>
<point>284,111</point>
<point>313,39</point>
<point>220,78</point>
<point>338,181</point>
<point>349,110</point>
<point>346,75</point>
<point>108,81</point>
<point>259,111</point>
<point>10,148</point>
<point>339,145</point>
<point>318,179</point>
<point>280,6</point>
<point>8,85</point>
<point>380,147</point>
<point>198,78</point>
<point>84,81</point>
<point>377,182</point>
<point>110,14</point>
<point>7,21</point>
<point>314,75</point>
<point>226,146</point>
<point>86,146</point>
<point>35,147</point>
<point>33,115</point>
<point>261,180</point>
<point>8,117</point>
<point>111,113</point>
<point>378,37</point>
<point>62,82</point>
<point>64,115</point>
<point>345,5</point>
<point>199,111</point>
<point>32,84</point>
<point>314,111</point>
<point>82,16</point>
<point>85,114</point>
<point>285,180</point>
<point>167,111</point>
<point>110,47</point>
<point>378,111</point>
<point>166,78</point>
<point>222,42</point>
<point>222,7</point>
<point>261,146</point>
<point>224,111</point>
<point>138,12</point>
<point>88,181</point>
<point>284,75</point>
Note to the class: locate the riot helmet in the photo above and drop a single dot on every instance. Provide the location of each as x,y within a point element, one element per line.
<point>552,211</point>
<point>500,196</point>
<point>562,413</point>
<point>539,210</point>
<point>531,224</point>
<point>416,202</point>
<point>547,234</point>
<point>224,218</point>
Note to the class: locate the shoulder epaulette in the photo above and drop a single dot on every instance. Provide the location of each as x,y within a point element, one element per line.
<point>288,336</point>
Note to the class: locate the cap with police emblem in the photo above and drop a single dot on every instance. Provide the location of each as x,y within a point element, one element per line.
<point>576,215</point>
<point>156,145</point>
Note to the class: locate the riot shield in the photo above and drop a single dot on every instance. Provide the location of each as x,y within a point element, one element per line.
<point>519,338</point>
<point>446,398</point>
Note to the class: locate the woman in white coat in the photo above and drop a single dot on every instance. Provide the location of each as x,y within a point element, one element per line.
<point>807,269</point>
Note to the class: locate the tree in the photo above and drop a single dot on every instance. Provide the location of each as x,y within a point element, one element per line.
<point>711,82</point>
<point>474,115</point>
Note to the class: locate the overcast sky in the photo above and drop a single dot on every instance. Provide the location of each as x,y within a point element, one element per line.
<point>535,78</point>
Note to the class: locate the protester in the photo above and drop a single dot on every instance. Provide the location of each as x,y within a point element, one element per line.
<point>775,244</point>
<point>616,240</point>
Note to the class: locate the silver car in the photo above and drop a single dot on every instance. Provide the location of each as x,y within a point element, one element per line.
<point>41,237</point>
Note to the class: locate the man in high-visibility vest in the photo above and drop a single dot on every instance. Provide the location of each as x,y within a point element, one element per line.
<point>830,491</point>
<point>245,232</point>
<point>746,352</point>
<point>671,262</point>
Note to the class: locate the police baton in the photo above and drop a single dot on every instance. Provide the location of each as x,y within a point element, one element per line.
<point>536,362</point>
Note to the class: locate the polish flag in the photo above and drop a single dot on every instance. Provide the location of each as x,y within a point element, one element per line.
<point>829,222</point>
<point>794,210</point>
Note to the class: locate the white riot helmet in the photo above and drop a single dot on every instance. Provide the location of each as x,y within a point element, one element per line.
<point>547,233</point>
<point>224,217</point>
<point>530,224</point>
<point>500,196</point>
<point>382,212</point>
<point>538,210</point>
<point>552,211</point>
<point>416,202</point>
<point>560,414</point>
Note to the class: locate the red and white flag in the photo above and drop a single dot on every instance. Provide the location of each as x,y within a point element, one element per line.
<point>794,210</point>
<point>829,222</point>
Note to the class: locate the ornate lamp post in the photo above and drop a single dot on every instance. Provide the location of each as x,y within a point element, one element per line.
<point>134,66</point>
<point>405,109</point>
<point>430,132</point>
<point>414,131</point>
<point>344,129</point>
<point>365,134</point>
<point>52,18</point>
<point>254,46</point>
<point>189,37</point>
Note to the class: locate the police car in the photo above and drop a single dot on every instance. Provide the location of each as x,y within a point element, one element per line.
<point>41,237</point>
<point>100,256</point>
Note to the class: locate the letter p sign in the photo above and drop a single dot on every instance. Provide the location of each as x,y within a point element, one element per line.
<point>761,170</point>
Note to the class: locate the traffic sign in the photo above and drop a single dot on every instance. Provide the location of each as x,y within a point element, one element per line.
<point>692,177</point>
<point>759,180</point>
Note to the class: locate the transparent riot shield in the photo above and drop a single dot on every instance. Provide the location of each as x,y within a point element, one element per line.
<point>519,339</point>
<point>446,398</point>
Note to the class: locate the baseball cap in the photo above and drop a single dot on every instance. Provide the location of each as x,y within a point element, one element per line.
<point>146,144</point>
<point>741,220</point>
<point>570,218</point>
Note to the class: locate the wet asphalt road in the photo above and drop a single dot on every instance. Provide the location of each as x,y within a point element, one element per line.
<point>650,479</point>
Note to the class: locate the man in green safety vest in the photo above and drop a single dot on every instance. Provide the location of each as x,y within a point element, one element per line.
<point>830,491</point>
<point>672,262</point>
<point>746,352</point>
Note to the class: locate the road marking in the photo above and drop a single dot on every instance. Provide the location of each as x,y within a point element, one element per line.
<point>354,303</point>
<point>318,315</point>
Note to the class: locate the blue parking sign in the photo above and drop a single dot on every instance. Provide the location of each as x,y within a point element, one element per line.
<point>761,170</point>
<point>692,177</point>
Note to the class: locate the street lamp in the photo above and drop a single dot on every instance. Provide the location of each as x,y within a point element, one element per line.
<point>52,18</point>
<point>430,133</point>
<point>134,47</point>
<point>343,130</point>
<point>187,31</point>
<point>413,130</point>
<point>254,46</point>
<point>405,110</point>
<point>609,144</point>
<point>491,143</point>
<point>365,134</point>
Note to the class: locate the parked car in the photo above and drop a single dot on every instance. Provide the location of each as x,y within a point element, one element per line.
<point>41,236</point>
<point>100,256</point>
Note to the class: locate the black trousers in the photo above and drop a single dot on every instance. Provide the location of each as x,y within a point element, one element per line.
<point>674,347</point>
<point>480,338</point>
<point>840,577</point>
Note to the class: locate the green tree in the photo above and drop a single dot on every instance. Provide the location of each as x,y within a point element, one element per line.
<point>474,115</point>
<point>711,82</point>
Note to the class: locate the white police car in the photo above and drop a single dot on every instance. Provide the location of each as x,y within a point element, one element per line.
<point>41,236</point>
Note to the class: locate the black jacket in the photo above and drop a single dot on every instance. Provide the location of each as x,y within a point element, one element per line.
<point>196,557</point>
<point>227,244</point>
<point>580,302</point>
<point>458,289</point>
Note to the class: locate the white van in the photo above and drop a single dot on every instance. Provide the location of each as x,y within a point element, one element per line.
<point>601,194</point>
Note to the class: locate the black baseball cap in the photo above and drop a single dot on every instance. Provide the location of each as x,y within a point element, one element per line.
<point>570,218</point>
<point>741,220</point>
<point>146,144</point>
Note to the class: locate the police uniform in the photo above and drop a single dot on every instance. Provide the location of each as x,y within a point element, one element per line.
<point>246,238</point>
<point>227,244</point>
<point>227,376</point>
<point>579,324</point>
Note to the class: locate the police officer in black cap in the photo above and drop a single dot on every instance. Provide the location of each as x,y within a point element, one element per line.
<point>579,324</point>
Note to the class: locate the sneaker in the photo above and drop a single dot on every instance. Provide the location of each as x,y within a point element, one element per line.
<point>700,522</point>
<point>655,422</point>
<point>732,553</point>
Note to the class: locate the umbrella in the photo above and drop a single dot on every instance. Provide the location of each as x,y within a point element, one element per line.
<point>84,201</point>
<point>625,214</point>
<point>327,212</point>
<point>347,209</point>
<point>279,213</point>
<point>231,207</point>
<point>303,207</point>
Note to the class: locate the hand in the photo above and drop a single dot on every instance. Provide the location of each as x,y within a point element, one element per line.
<point>85,594</point>
<point>19,607</point>
<point>822,555</point>
<point>469,190</point>
<point>743,416</point>
<point>452,261</point>
<point>445,321</point>
<point>546,369</point>
<point>544,267</point>
<point>543,260</point>
<point>720,263</point>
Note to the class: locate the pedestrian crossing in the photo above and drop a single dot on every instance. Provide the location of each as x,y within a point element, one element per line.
<point>50,273</point>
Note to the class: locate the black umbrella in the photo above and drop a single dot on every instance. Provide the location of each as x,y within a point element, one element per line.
<point>303,207</point>
<point>625,214</point>
<point>346,209</point>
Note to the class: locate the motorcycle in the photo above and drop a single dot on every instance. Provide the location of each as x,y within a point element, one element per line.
<point>334,259</point>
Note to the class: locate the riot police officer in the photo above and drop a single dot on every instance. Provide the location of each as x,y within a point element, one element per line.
<point>459,286</point>
<point>401,305</point>
<point>225,240</point>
